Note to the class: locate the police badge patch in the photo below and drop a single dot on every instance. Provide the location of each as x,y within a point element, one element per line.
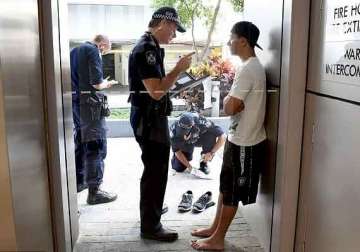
<point>241,181</point>
<point>150,57</point>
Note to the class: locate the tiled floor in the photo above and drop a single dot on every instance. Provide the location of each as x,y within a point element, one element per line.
<point>115,226</point>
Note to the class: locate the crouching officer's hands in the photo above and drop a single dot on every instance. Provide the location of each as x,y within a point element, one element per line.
<point>208,156</point>
<point>105,84</point>
<point>109,83</point>
<point>184,62</point>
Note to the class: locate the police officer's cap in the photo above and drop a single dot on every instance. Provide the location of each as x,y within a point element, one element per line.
<point>186,120</point>
<point>169,13</point>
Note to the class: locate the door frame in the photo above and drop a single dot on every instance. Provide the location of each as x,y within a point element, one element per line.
<point>55,50</point>
<point>58,110</point>
<point>296,19</point>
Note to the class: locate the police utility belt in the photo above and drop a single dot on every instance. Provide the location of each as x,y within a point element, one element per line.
<point>97,103</point>
<point>150,108</point>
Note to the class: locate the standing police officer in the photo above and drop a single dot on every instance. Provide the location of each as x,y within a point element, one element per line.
<point>89,111</point>
<point>150,106</point>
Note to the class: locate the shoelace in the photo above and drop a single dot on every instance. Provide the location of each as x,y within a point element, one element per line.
<point>203,199</point>
<point>186,198</point>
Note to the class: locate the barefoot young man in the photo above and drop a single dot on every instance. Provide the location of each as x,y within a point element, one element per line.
<point>245,147</point>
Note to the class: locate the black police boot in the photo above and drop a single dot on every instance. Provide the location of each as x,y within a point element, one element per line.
<point>81,187</point>
<point>164,234</point>
<point>97,196</point>
<point>204,167</point>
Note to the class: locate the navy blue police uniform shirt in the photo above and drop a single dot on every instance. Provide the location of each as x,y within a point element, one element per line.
<point>86,71</point>
<point>202,126</point>
<point>90,70</point>
<point>74,73</point>
<point>146,61</point>
<point>75,87</point>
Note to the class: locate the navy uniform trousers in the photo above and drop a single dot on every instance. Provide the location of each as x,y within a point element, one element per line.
<point>90,151</point>
<point>89,155</point>
<point>155,157</point>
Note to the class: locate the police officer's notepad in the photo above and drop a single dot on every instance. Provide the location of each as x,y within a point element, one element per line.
<point>185,82</point>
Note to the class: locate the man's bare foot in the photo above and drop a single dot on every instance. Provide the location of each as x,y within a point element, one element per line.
<point>208,244</point>
<point>202,232</point>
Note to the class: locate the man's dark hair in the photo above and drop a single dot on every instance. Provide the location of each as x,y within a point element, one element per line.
<point>154,22</point>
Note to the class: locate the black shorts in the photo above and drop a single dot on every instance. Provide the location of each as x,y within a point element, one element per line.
<point>240,172</point>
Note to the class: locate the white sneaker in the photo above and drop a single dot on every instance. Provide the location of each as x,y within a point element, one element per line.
<point>188,170</point>
<point>199,174</point>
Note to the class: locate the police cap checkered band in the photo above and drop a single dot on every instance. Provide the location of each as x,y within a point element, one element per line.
<point>169,17</point>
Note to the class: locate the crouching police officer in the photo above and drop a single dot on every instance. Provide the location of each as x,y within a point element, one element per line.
<point>150,106</point>
<point>190,131</point>
<point>89,112</point>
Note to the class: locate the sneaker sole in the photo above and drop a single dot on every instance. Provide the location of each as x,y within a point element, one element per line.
<point>183,210</point>
<point>197,210</point>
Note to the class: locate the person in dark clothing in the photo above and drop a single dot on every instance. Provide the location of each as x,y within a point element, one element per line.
<point>193,130</point>
<point>150,106</point>
<point>80,176</point>
<point>89,111</point>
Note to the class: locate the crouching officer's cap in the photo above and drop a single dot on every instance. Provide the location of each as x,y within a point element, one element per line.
<point>185,123</point>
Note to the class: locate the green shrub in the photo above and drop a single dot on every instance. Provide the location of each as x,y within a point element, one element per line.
<point>120,113</point>
<point>124,113</point>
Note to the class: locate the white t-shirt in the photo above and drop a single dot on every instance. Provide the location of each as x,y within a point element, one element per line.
<point>247,127</point>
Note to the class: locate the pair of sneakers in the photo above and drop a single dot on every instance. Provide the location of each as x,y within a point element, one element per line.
<point>204,202</point>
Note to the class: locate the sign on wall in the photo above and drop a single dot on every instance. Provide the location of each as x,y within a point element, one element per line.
<point>342,42</point>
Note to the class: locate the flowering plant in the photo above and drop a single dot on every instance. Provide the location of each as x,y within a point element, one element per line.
<point>216,67</point>
<point>220,70</point>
